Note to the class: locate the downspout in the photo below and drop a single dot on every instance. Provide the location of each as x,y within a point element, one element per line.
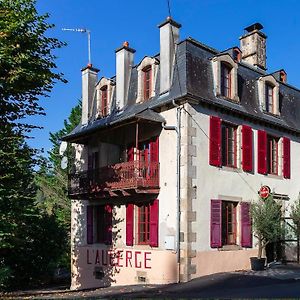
<point>178,152</point>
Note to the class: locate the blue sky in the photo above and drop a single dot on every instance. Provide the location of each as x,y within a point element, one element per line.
<point>217,23</point>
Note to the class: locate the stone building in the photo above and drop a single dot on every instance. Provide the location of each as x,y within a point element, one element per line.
<point>169,154</point>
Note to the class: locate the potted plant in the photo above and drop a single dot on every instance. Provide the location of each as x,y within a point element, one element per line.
<point>267,228</point>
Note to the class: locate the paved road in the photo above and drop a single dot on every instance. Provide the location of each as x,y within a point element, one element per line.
<point>272,283</point>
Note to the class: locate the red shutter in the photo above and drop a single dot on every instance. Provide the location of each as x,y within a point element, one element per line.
<point>216,223</point>
<point>154,224</point>
<point>261,152</point>
<point>246,228</point>
<point>129,224</point>
<point>108,225</point>
<point>286,157</point>
<point>154,150</point>
<point>89,224</point>
<point>247,148</point>
<point>130,153</point>
<point>215,141</point>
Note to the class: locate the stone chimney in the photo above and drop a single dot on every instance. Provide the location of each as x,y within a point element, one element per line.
<point>89,80</point>
<point>253,46</point>
<point>169,37</point>
<point>124,63</point>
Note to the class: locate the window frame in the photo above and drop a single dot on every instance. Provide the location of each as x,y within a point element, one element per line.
<point>226,78</point>
<point>225,162</point>
<point>146,233</point>
<point>103,112</point>
<point>268,83</point>
<point>104,101</point>
<point>147,76</point>
<point>226,60</point>
<point>151,63</point>
<point>270,155</point>
<point>225,221</point>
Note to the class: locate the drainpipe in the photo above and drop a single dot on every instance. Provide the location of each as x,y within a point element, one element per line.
<point>178,148</point>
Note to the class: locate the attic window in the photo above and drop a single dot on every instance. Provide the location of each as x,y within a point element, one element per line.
<point>105,89</point>
<point>225,80</point>
<point>268,94</point>
<point>147,74</point>
<point>104,102</point>
<point>225,77</point>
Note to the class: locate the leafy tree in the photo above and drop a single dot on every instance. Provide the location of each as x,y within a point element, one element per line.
<point>27,72</point>
<point>266,218</point>
<point>295,215</point>
<point>26,61</point>
<point>52,183</point>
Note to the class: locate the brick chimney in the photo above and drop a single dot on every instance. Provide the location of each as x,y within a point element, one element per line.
<point>253,46</point>
<point>124,63</point>
<point>169,37</point>
<point>89,80</point>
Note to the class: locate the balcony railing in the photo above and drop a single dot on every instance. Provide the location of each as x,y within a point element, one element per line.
<point>122,176</point>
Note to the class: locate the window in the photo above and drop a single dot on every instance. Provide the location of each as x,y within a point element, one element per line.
<point>142,224</point>
<point>269,160</point>
<point>229,223</point>
<point>225,80</point>
<point>229,145</point>
<point>99,224</point>
<point>269,98</point>
<point>147,74</point>
<point>224,223</point>
<point>104,101</point>
<point>105,90</point>
<point>223,143</point>
<point>272,155</point>
<point>268,94</point>
<point>225,76</point>
<point>147,82</point>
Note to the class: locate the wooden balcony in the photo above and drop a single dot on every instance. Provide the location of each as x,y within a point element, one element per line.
<point>123,179</point>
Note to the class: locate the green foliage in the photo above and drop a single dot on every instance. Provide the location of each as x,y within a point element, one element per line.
<point>295,215</point>
<point>52,183</point>
<point>267,225</point>
<point>26,61</point>
<point>29,239</point>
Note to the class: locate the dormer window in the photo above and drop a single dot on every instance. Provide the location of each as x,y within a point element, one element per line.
<point>269,98</point>
<point>225,77</point>
<point>147,82</point>
<point>225,80</point>
<point>268,94</point>
<point>104,104</point>
<point>147,74</point>
<point>105,89</point>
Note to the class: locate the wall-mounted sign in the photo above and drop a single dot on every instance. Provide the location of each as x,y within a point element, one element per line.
<point>264,192</point>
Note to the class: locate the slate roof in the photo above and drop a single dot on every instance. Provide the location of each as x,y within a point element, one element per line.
<point>193,79</point>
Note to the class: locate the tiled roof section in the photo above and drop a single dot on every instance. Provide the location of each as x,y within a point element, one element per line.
<point>193,79</point>
<point>200,85</point>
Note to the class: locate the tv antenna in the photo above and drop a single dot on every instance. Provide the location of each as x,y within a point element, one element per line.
<point>88,32</point>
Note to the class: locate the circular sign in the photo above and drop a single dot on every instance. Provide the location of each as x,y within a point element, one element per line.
<point>264,192</point>
<point>64,163</point>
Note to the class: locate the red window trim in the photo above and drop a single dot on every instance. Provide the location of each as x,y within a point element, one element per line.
<point>147,85</point>
<point>104,101</point>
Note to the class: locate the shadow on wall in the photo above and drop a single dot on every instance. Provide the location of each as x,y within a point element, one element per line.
<point>102,261</point>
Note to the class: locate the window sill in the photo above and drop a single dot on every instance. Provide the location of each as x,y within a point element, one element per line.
<point>230,248</point>
<point>235,100</point>
<point>274,176</point>
<point>271,114</point>
<point>231,169</point>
